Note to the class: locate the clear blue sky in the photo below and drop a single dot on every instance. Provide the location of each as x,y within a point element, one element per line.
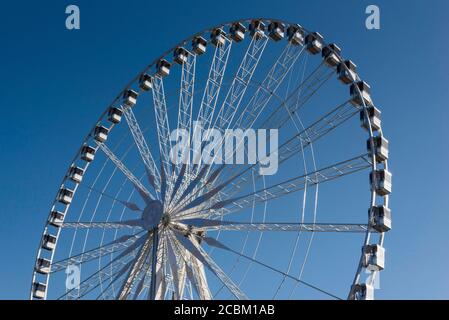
<point>55,82</point>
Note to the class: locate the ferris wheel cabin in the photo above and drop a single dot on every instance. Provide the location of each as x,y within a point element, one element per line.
<point>382,218</point>
<point>362,291</point>
<point>163,68</point>
<point>56,218</point>
<point>295,34</point>
<point>257,29</point>
<point>374,257</point>
<point>382,183</point>
<point>48,242</point>
<point>145,82</point>
<point>199,45</point>
<point>130,98</point>
<point>115,115</point>
<point>374,117</point>
<point>218,37</point>
<point>380,148</point>
<point>88,153</point>
<point>276,30</point>
<point>347,72</point>
<point>65,195</point>
<point>76,174</point>
<point>331,55</point>
<point>39,289</point>
<point>314,42</point>
<point>360,94</point>
<point>43,266</point>
<point>237,31</point>
<point>180,55</point>
<point>101,134</point>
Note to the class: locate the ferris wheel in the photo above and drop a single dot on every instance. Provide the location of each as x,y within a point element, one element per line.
<point>128,222</point>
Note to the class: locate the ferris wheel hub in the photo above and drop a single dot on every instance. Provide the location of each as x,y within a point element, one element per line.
<point>166,220</point>
<point>152,214</point>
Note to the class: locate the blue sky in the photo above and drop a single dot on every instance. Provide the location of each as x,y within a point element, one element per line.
<point>55,82</point>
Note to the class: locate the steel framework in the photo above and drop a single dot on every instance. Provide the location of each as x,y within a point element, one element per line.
<point>157,244</point>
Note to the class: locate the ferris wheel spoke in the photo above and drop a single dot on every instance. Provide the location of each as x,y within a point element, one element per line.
<point>240,83</point>
<point>302,94</point>
<point>269,85</point>
<point>107,271</point>
<point>192,185</point>
<point>193,247</point>
<point>241,80</point>
<point>144,193</point>
<point>130,205</point>
<point>114,246</point>
<point>136,268</point>
<point>193,270</point>
<point>162,125</point>
<point>205,186</point>
<point>158,283</point>
<point>297,143</point>
<point>176,267</point>
<point>117,268</point>
<point>186,92</point>
<point>211,94</point>
<point>273,120</point>
<point>141,282</point>
<point>199,275</point>
<point>217,244</point>
<point>164,184</point>
<point>186,95</point>
<point>179,181</point>
<point>194,283</point>
<point>328,173</point>
<point>105,225</point>
<point>317,130</point>
<point>209,224</point>
<point>108,292</point>
<point>144,150</point>
<point>202,292</point>
<point>93,282</point>
<point>185,271</point>
<point>142,277</point>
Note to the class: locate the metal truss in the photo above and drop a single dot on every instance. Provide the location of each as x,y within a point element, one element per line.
<point>201,255</point>
<point>291,185</point>
<point>147,158</point>
<point>292,146</point>
<point>106,272</point>
<point>136,182</point>
<point>207,224</point>
<point>163,128</point>
<point>112,247</point>
<point>269,86</point>
<point>136,268</point>
<point>212,90</point>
